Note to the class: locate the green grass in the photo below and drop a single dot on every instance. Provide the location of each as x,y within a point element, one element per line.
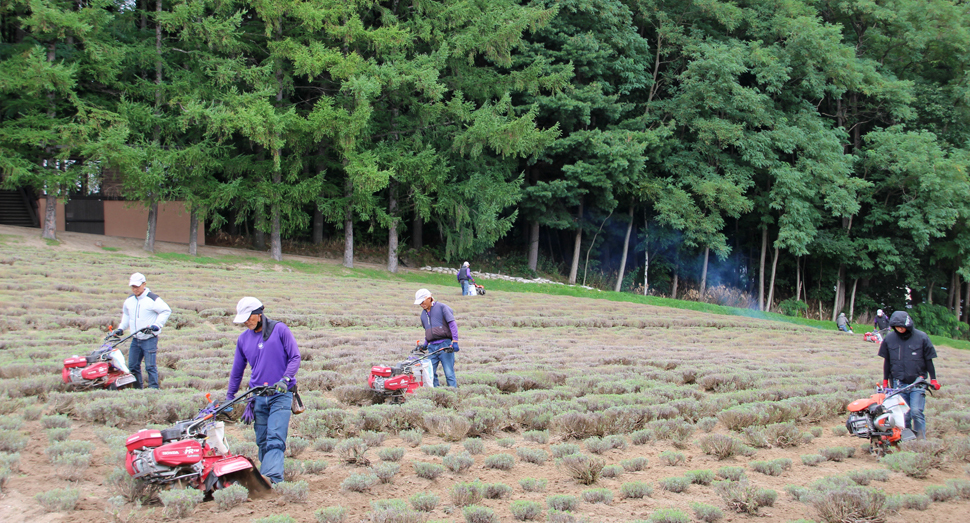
<point>432,278</point>
<point>52,243</point>
<point>110,249</point>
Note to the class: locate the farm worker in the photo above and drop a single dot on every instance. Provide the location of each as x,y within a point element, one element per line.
<point>881,323</point>
<point>143,308</point>
<point>464,277</point>
<point>270,350</point>
<point>440,331</point>
<point>843,323</point>
<point>907,355</point>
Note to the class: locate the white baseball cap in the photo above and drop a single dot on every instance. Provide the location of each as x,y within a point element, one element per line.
<point>136,279</point>
<point>421,295</point>
<point>464,264</point>
<point>245,308</point>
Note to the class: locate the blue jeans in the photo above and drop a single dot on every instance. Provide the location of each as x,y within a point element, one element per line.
<point>447,360</point>
<point>916,399</point>
<point>272,423</point>
<point>465,284</point>
<point>143,349</point>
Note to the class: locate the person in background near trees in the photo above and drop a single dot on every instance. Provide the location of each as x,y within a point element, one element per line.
<point>881,323</point>
<point>270,350</point>
<point>466,279</point>
<point>440,331</point>
<point>143,308</point>
<point>907,355</point>
<point>843,323</point>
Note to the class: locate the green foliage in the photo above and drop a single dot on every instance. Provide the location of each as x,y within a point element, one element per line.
<point>229,497</point>
<point>58,500</point>
<point>180,502</point>
<point>525,510</point>
<point>938,320</point>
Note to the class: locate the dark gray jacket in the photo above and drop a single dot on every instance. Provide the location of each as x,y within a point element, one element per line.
<point>908,355</point>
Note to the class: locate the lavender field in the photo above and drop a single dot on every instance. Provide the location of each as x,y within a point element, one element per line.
<point>568,409</point>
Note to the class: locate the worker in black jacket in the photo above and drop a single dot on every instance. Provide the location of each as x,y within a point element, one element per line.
<point>908,355</point>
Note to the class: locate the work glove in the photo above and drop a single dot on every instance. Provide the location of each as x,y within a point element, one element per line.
<point>452,348</point>
<point>229,397</point>
<point>885,384</point>
<point>118,332</point>
<point>281,386</point>
<point>155,328</point>
<point>935,384</point>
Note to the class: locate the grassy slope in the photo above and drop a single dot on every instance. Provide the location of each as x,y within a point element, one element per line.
<point>509,286</point>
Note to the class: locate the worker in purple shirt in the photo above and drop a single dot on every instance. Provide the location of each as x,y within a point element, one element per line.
<point>269,348</point>
<point>440,331</point>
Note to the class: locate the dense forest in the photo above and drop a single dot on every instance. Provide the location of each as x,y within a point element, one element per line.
<point>811,154</point>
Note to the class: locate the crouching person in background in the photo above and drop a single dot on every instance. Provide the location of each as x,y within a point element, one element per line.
<point>269,348</point>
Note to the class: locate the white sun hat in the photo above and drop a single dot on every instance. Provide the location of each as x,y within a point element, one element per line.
<point>421,295</point>
<point>245,308</point>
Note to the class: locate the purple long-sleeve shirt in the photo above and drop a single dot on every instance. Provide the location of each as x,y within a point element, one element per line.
<point>270,360</point>
<point>441,315</point>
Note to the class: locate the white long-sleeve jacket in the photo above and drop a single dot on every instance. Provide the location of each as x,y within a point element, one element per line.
<point>143,311</point>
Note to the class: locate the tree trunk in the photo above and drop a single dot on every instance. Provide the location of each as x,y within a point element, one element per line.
<point>50,213</point>
<point>798,278</point>
<point>839,293</point>
<point>50,217</point>
<point>761,271</point>
<point>966,309</point>
<point>259,236</point>
<point>949,292</point>
<point>417,229</point>
<point>193,233</point>
<point>771,286</point>
<point>591,244</point>
<point>956,295</point>
<point>574,267</point>
<point>707,252</point>
<point>646,258</point>
<point>392,239</point>
<point>534,245</point>
<point>275,239</point>
<point>349,225</point>
<point>673,292</point>
<point>152,225</point>
<point>626,250</point>
<point>317,227</point>
<point>158,59</point>
<point>855,284</point>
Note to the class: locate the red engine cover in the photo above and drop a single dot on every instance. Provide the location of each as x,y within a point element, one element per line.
<point>230,465</point>
<point>144,438</point>
<point>397,382</point>
<point>75,361</point>
<point>128,459</point>
<point>380,370</point>
<point>98,370</point>
<point>864,403</point>
<point>179,453</point>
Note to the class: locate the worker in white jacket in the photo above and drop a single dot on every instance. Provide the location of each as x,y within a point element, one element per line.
<point>143,308</point>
